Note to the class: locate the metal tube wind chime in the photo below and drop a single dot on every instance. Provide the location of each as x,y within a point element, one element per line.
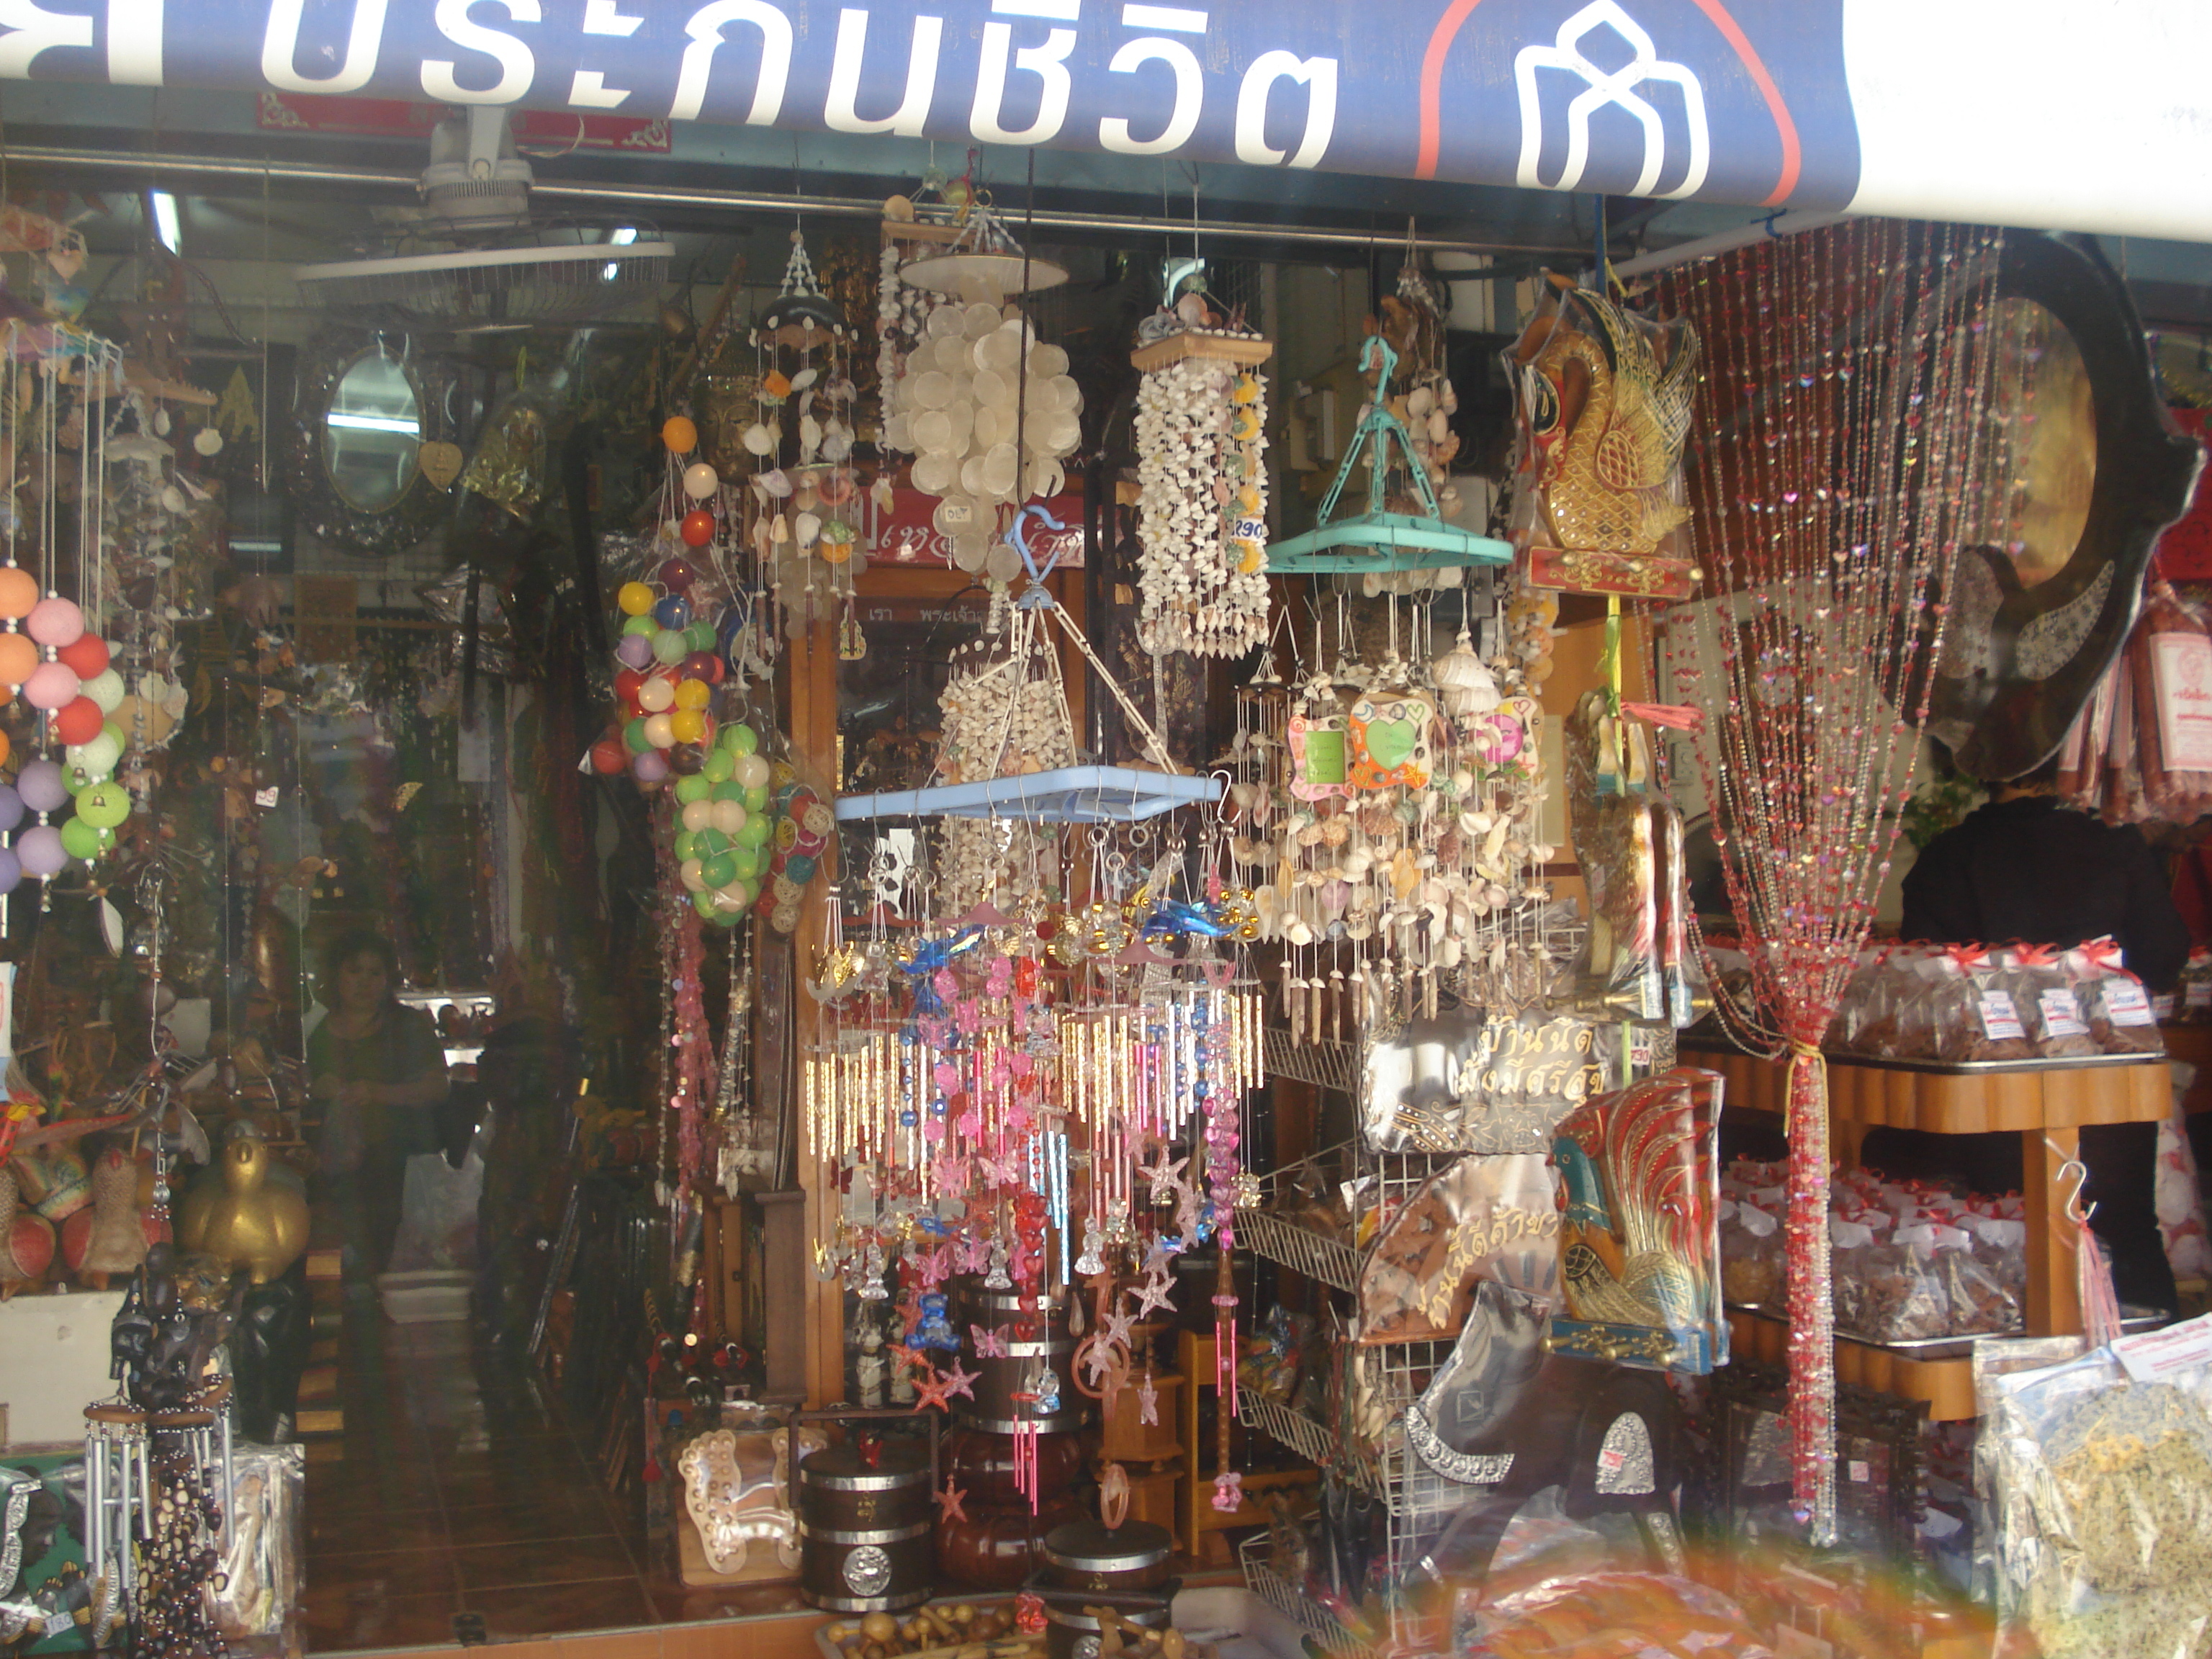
<point>1843,424</point>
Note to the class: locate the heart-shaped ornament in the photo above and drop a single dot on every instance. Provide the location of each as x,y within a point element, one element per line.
<point>440,463</point>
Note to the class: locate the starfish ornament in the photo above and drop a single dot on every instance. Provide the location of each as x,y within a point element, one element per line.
<point>1148,1400</point>
<point>931,1386</point>
<point>1114,1329</point>
<point>1153,1294</point>
<point>951,1502</point>
<point>959,1384</point>
<point>989,1344</point>
<point>1164,1176</point>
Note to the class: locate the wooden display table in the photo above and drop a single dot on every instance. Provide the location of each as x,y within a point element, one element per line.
<point>2046,1107</point>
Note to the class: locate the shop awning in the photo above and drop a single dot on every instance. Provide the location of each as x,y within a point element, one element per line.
<point>2039,113</point>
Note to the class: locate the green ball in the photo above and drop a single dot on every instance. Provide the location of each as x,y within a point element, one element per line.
<point>740,738</point>
<point>729,791</point>
<point>748,860</point>
<point>722,918</point>
<point>691,788</point>
<point>719,870</point>
<point>633,737</point>
<point>104,806</point>
<point>754,831</point>
<point>668,647</point>
<point>703,902</point>
<point>81,840</point>
<point>712,842</point>
<point>687,845</point>
<point>717,768</point>
<point>700,636</point>
<point>644,625</point>
<point>750,886</point>
<point>757,799</point>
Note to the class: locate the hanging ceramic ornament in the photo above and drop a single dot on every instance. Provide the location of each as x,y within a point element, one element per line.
<point>1317,737</point>
<point>1387,739</point>
<point>1201,433</point>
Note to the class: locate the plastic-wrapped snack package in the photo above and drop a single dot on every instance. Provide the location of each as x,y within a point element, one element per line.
<point>1480,1218</point>
<point>2113,1000</point>
<point>261,1574</point>
<point>2043,991</point>
<point>1980,1303</point>
<point>1900,1297</point>
<point>1750,1256</point>
<point>1610,1615</point>
<point>1857,1026</point>
<point>1851,1257</point>
<point>2103,1468</point>
<point>2000,1246</point>
<point>1990,1026</point>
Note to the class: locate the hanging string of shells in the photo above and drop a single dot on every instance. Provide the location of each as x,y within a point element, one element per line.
<point>808,494</point>
<point>1388,815</point>
<point>1202,526</point>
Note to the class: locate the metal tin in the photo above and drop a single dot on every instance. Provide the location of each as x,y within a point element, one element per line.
<point>1085,1555</point>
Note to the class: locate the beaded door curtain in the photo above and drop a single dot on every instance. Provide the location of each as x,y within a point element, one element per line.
<point>1840,455</point>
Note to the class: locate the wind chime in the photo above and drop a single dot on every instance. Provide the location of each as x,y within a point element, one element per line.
<point>808,492</point>
<point>1847,374</point>
<point>1202,506</point>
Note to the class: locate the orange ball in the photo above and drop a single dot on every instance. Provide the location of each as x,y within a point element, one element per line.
<point>18,657</point>
<point>680,434</point>
<point>6,748</point>
<point>18,591</point>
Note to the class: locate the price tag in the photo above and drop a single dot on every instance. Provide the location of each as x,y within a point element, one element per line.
<point>1612,1461</point>
<point>2000,1018</point>
<point>2125,1002</point>
<point>2062,1015</point>
<point>2200,993</point>
<point>2154,1356</point>
<point>266,797</point>
<point>1858,1470</point>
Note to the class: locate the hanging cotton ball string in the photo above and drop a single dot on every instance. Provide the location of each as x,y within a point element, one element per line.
<point>1203,530</point>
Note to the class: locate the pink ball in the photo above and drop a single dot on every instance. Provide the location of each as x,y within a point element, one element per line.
<point>56,622</point>
<point>649,766</point>
<point>51,685</point>
<point>39,848</point>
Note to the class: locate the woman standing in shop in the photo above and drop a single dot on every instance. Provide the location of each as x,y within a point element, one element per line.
<point>379,1072</point>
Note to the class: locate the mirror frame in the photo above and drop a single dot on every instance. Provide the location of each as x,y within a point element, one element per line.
<point>411,519</point>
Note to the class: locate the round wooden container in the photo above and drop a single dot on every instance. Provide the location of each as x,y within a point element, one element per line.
<point>981,1464</point>
<point>1000,1545</point>
<point>994,1408</point>
<point>1085,1555</point>
<point>1072,1633</point>
<point>864,1531</point>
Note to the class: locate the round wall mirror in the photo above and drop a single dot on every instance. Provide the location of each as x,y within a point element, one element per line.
<point>373,432</point>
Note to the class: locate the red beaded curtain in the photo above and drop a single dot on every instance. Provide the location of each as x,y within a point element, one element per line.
<point>1838,454</point>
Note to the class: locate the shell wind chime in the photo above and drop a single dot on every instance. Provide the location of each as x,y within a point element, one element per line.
<point>1202,440</point>
<point>807,495</point>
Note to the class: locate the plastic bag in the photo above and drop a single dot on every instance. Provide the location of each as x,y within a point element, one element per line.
<point>1482,1217</point>
<point>2113,1000</point>
<point>1993,1026</point>
<point>2043,991</point>
<point>261,1571</point>
<point>438,1214</point>
<point>2101,1470</point>
<point>1611,1615</point>
<point>2180,1211</point>
<point>1752,1270</point>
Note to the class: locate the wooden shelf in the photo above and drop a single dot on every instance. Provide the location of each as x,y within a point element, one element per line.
<point>1956,1103</point>
<point>1948,1385</point>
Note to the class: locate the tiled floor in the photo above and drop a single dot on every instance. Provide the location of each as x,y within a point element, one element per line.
<point>455,1490</point>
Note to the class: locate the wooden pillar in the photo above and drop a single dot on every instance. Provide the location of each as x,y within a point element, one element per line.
<point>812,667</point>
<point>2054,1297</point>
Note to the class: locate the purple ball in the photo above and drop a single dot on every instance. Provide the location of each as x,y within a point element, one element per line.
<point>42,787</point>
<point>11,807</point>
<point>649,766</point>
<point>11,870</point>
<point>635,651</point>
<point>41,850</point>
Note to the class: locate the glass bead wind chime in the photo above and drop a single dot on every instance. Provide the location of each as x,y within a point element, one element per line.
<point>1846,376</point>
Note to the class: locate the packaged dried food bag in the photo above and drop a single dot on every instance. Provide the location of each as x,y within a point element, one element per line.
<point>1899,1295</point>
<point>1980,1021</point>
<point>2000,1244</point>
<point>1981,1304</point>
<point>2101,1480</point>
<point>2171,656</point>
<point>2175,1195</point>
<point>1751,1256</point>
<point>1857,1027</point>
<point>1850,1256</point>
<point>1481,1217</point>
<point>2113,1001</point>
<point>2043,991</point>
